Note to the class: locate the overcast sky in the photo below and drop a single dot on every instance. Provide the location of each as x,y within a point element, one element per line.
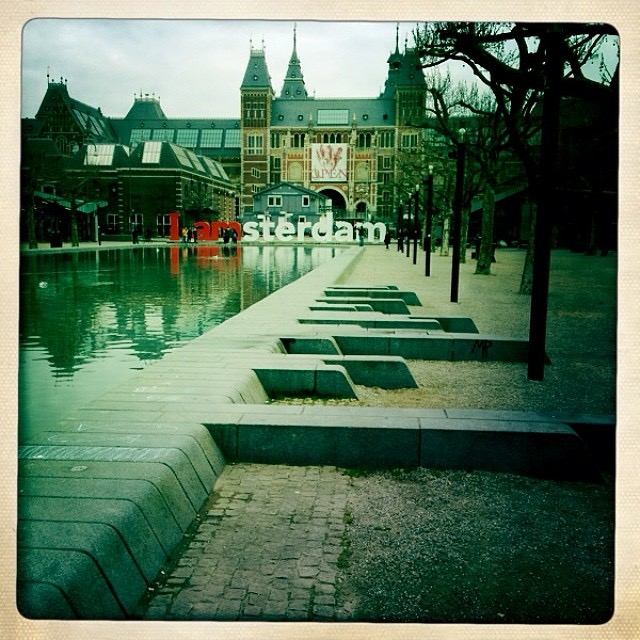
<point>196,67</point>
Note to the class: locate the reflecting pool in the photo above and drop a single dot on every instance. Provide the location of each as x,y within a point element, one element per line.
<point>89,319</point>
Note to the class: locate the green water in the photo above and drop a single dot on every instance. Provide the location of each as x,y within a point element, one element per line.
<point>90,319</point>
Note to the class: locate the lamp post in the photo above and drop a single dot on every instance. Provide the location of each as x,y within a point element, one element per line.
<point>548,204</point>
<point>428,221</point>
<point>408,225</point>
<point>416,222</point>
<point>457,216</point>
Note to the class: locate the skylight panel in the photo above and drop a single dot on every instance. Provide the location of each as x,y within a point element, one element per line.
<point>164,135</point>
<point>333,116</point>
<point>195,161</point>
<point>139,135</point>
<point>187,137</point>
<point>211,138</point>
<point>182,157</point>
<point>100,154</point>
<point>213,167</point>
<point>232,138</point>
<point>151,152</point>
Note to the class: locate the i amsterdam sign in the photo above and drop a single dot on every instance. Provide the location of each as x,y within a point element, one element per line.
<point>325,230</point>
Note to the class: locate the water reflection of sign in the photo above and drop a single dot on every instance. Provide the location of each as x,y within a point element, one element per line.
<point>329,162</point>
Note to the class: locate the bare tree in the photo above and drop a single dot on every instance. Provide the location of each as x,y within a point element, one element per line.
<point>508,60</point>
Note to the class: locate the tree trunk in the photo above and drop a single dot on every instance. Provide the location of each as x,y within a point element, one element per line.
<point>444,245</point>
<point>526,281</point>
<point>31,228</point>
<point>485,252</point>
<point>464,234</point>
<point>74,223</point>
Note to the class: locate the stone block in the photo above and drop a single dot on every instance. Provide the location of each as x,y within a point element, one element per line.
<point>188,446</point>
<point>538,449</point>
<point>333,381</point>
<point>138,492</point>
<point>320,442</point>
<point>173,459</point>
<point>98,541</point>
<point>157,475</point>
<point>63,584</point>
<point>452,324</point>
<point>374,320</point>
<point>408,297</point>
<point>386,372</point>
<point>310,345</point>
<point>121,515</point>
<point>384,305</point>
<point>300,379</point>
<point>490,348</point>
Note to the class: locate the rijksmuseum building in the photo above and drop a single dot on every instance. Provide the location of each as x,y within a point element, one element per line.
<point>134,171</point>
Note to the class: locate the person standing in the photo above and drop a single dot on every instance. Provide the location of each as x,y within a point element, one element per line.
<point>387,239</point>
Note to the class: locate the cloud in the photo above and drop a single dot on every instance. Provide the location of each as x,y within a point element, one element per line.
<point>196,66</point>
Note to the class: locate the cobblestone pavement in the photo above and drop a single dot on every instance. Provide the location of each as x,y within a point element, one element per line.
<point>267,547</point>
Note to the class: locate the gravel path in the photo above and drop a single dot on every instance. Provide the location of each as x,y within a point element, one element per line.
<point>581,333</point>
<point>459,547</point>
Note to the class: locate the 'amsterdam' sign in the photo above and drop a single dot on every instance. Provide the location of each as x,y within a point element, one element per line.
<point>325,230</point>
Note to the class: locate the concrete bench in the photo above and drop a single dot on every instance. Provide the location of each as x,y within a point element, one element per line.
<point>61,583</point>
<point>101,507</point>
<point>160,480</point>
<point>348,287</point>
<point>299,378</point>
<point>451,324</point>
<point>321,345</point>
<point>325,306</point>
<point>418,346</point>
<point>409,297</point>
<point>384,305</point>
<point>373,320</point>
<point>385,372</point>
<point>386,437</point>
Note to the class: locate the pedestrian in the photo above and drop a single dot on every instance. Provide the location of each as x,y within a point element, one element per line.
<point>361,235</point>
<point>400,240</point>
<point>134,234</point>
<point>387,240</point>
<point>185,233</point>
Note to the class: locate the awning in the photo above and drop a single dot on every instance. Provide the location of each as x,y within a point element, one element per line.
<point>476,203</point>
<point>84,207</point>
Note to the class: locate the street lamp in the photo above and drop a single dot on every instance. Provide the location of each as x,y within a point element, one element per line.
<point>416,223</point>
<point>407,217</point>
<point>399,227</point>
<point>428,222</point>
<point>457,215</point>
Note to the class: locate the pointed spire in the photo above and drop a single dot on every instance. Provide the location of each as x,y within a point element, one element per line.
<point>294,87</point>
<point>256,75</point>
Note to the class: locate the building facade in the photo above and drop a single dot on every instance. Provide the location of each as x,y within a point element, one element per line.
<point>344,149</point>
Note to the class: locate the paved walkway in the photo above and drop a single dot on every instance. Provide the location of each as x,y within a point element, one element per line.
<point>267,547</point>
